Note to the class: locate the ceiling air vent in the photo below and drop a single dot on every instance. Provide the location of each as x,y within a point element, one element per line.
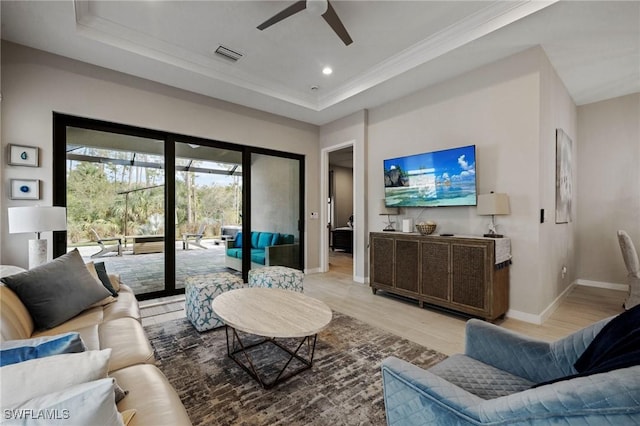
<point>228,54</point>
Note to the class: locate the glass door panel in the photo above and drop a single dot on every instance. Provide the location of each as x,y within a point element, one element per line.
<point>230,207</point>
<point>208,209</point>
<point>115,204</point>
<point>275,211</point>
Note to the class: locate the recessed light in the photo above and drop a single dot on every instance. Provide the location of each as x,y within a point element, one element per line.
<point>327,70</point>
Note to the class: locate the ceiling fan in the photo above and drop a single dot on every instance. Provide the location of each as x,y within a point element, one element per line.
<point>317,8</point>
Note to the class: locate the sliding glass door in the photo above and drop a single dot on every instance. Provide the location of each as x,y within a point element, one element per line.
<point>115,198</point>
<point>225,207</point>
<point>276,213</point>
<point>208,208</point>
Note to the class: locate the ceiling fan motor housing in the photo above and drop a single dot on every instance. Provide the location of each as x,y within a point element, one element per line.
<point>317,7</point>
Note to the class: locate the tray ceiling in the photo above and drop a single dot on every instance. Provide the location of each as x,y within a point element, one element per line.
<point>399,46</point>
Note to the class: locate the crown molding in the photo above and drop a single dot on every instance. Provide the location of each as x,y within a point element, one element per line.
<point>491,18</point>
<point>131,40</point>
<point>496,15</point>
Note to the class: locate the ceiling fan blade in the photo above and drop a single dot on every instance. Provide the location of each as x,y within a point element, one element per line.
<point>334,22</point>
<point>291,10</point>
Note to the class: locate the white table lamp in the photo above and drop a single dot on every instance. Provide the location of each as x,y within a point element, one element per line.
<point>491,205</point>
<point>37,219</point>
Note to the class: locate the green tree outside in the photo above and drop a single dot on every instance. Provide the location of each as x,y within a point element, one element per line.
<point>106,197</point>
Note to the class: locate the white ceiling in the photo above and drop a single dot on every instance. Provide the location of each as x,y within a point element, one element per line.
<point>399,46</point>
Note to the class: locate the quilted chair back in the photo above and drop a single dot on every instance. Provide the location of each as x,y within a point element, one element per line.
<point>566,351</point>
<point>632,263</point>
<point>500,357</point>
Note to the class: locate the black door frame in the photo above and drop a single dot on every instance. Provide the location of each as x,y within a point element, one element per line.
<point>62,121</point>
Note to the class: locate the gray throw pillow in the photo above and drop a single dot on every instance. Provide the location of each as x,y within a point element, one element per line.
<point>58,290</point>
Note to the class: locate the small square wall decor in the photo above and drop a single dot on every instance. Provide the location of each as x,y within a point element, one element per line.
<point>20,155</point>
<point>25,189</point>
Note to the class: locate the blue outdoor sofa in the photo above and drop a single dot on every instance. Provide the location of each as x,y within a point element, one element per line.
<point>267,249</point>
<point>505,378</point>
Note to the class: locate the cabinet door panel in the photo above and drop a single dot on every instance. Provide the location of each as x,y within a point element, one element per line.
<point>435,270</point>
<point>407,253</point>
<point>382,257</point>
<point>469,275</point>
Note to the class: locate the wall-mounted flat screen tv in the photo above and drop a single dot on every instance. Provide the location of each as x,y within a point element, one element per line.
<point>432,179</point>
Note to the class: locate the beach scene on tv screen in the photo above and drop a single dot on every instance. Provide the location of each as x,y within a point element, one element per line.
<point>440,178</point>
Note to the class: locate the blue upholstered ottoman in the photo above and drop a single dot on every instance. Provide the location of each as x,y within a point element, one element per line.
<point>200,290</point>
<point>276,277</point>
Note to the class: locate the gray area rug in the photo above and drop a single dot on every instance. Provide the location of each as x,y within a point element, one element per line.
<point>344,386</point>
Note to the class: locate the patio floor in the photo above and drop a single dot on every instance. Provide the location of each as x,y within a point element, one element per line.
<point>144,273</point>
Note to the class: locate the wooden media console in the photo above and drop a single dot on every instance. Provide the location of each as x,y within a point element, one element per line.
<point>456,273</point>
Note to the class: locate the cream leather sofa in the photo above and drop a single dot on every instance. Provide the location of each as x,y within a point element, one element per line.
<point>116,326</point>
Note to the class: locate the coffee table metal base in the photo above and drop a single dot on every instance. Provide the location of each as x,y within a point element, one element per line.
<point>239,352</point>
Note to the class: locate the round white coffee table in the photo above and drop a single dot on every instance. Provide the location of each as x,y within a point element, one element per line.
<point>273,314</point>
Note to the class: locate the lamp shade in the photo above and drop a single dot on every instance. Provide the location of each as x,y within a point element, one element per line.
<point>493,204</point>
<point>387,210</point>
<point>37,219</point>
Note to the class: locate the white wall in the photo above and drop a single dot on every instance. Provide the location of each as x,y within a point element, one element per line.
<point>35,84</point>
<point>3,182</point>
<point>557,242</point>
<point>497,108</point>
<point>608,186</point>
<point>343,195</point>
<point>353,130</point>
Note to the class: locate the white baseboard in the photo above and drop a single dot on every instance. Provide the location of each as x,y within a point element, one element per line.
<point>361,280</point>
<point>313,271</point>
<point>545,314</point>
<point>524,316</point>
<point>554,305</point>
<point>603,284</point>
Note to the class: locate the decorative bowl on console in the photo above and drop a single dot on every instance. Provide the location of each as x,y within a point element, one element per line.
<point>426,228</point>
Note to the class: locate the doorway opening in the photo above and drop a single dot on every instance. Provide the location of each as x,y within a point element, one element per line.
<point>340,210</point>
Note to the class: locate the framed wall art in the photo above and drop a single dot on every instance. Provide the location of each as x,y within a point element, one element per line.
<point>25,189</point>
<point>564,192</point>
<point>21,155</point>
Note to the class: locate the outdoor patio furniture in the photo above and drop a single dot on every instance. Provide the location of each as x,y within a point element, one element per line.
<point>228,232</point>
<point>267,249</point>
<point>107,248</point>
<point>277,277</point>
<point>200,290</point>
<point>144,244</point>
<point>197,237</point>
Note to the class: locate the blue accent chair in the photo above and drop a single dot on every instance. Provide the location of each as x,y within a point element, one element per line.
<point>491,384</point>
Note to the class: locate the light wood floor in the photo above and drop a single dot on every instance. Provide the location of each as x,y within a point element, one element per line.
<point>431,328</point>
<point>341,262</point>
